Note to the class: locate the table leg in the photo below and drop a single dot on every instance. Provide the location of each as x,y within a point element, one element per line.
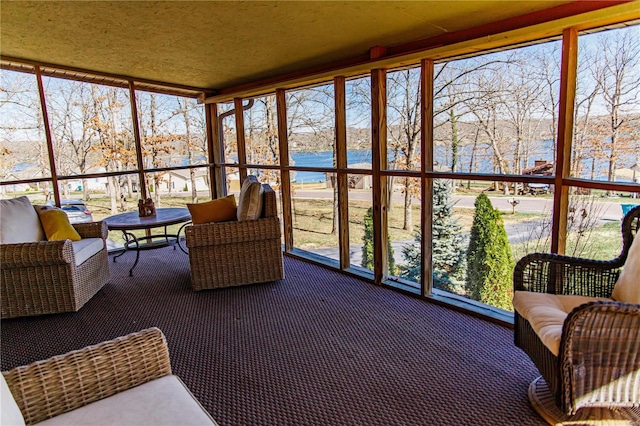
<point>134,239</point>
<point>129,239</point>
<point>124,249</point>
<point>184,250</point>
<point>166,237</point>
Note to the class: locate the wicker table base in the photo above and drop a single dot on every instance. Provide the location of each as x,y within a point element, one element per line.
<point>543,402</point>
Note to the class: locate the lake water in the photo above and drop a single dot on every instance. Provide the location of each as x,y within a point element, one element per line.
<point>483,161</point>
<point>325,159</point>
<point>361,159</point>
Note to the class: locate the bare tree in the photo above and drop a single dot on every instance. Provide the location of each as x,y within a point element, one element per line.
<point>547,67</point>
<point>74,127</point>
<point>523,109</point>
<point>262,137</point>
<point>310,126</point>
<point>616,72</point>
<point>487,109</point>
<point>585,215</point>
<point>403,101</point>
<point>21,126</point>
<point>586,143</point>
<point>195,137</point>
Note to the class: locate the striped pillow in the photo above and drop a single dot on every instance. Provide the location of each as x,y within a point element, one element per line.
<point>250,201</point>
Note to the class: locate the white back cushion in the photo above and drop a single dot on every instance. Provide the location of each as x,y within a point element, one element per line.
<point>250,201</point>
<point>627,288</point>
<point>9,412</point>
<point>19,222</point>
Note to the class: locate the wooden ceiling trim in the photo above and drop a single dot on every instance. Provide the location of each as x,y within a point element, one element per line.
<point>506,25</point>
<point>18,67</point>
<point>96,77</point>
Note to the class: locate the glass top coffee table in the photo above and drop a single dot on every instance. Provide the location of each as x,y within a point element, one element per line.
<point>131,221</point>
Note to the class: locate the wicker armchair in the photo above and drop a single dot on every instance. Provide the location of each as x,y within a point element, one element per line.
<point>225,254</point>
<point>42,277</point>
<point>597,364</point>
<point>81,387</point>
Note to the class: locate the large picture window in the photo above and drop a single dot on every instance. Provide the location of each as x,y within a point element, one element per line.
<point>497,113</point>
<point>93,147</point>
<point>23,145</point>
<point>606,144</point>
<point>455,167</point>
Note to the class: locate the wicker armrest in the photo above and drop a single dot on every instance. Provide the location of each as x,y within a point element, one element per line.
<point>63,383</point>
<point>607,321</point>
<point>36,254</point>
<point>92,229</point>
<point>211,234</point>
<point>549,273</point>
<point>270,206</point>
<point>599,351</point>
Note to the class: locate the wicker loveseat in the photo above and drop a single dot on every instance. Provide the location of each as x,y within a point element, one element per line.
<point>44,277</point>
<point>581,328</point>
<point>125,381</point>
<point>224,254</point>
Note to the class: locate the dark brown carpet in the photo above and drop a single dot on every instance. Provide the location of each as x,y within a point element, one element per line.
<point>317,348</point>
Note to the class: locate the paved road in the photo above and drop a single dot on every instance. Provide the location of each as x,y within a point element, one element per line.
<point>609,210</point>
<point>517,232</point>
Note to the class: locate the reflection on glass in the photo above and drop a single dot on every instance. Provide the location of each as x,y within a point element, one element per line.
<point>91,127</point>
<point>594,223</point>
<point>23,148</point>
<point>177,188</point>
<point>497,113</point>
<point>479,234</point>
<point>311,126</point>
<point>232,177</point>
<point>228,132</point>
<point>261,131</point>
<point>360,221</point>
<point>358,117</point>
<point>172,130</point>
<point>314,214</point>
<point>606,141</point>
<point>403,228</point>
<point>403,119</point>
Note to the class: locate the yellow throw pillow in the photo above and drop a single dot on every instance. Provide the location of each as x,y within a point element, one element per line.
<point>57,227</point>
<point>218,210</point>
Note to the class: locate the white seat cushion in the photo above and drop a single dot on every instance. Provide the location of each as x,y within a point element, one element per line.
<point>9,412</point>
<point>86,248</point>
<point>163,401</point>
<point>546,313</point>
<point>19,222</point>
<point>627,288</point>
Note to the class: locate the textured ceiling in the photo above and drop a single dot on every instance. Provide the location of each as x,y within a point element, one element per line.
<point>220,44</point>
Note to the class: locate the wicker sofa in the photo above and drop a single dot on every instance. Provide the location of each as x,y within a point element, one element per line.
<point>44,277</point>
<point>581,328</point>
<point>224,254</point>
<point>125,381</point>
